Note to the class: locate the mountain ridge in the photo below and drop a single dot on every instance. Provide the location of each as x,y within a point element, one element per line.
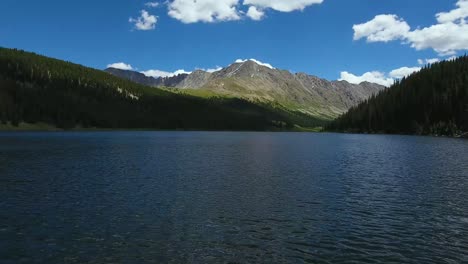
<point>253,81</point>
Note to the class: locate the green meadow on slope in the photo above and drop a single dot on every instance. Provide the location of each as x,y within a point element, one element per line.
<point>36,89</point>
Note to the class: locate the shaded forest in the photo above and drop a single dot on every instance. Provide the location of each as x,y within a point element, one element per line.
<point>35,88</point>
<point>433,101</point>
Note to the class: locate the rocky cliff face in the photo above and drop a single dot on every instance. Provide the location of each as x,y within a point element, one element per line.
<point>250,80</point>
<point>196,79</point>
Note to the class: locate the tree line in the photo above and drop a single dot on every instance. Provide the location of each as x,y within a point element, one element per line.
<point>35,88</point>
<point>433,101</point>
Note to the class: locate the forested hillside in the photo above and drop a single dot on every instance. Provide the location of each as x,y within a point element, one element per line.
<point>35,89</point>
<point>433,101</point>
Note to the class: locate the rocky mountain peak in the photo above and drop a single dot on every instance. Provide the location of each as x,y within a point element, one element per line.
<point>255,80</point>
<point>254,62</point>
<point>244,68</point>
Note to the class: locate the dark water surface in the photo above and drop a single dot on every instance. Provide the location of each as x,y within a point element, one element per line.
<point>196,197</point>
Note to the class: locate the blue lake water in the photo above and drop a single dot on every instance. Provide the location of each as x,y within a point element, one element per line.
<point>214,197</point>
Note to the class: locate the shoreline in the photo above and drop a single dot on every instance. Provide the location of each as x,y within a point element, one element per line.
<point>463,135</point>
<point>44,127</point>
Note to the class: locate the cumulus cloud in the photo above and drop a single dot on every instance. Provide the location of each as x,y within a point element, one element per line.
<point>403,72</point>
<point>255,14</point>
<point>428,61</point>
<point>451,58</point>
<point>121,66</point>
<point>145,21</point>
<point>256,61</point>
<point>152,4</point>
<point>379,77</point>
<point>211,70</point>
<point>159,73</point>
<point>382,28</point>
<point>373,77</point>
<point>282,5</point>
<point>445,39</point>
<point>448,36</point>
<point>458,14</point>
<point>192,11</point>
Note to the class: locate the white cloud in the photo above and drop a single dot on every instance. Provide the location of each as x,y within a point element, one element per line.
<point>379,77</point>
<point>211,70</point>
<point>256,61</point>
<point>373,77</point>
<point>451,58</point>
<point>255,14</point>
<point>152,4</point>
<point>432,61</point>
<point>459,13</point>
<point>121,66</point>
<point>382,28</point>
<point>192,11</point>
<point>428,61</point>
<point>159,73</point>
<point>145,21</point>
<point>446,38</point>
<point>403,72</point>
<point>282,5</point>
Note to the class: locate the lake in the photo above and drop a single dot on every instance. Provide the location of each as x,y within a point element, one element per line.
<point>228,197</point>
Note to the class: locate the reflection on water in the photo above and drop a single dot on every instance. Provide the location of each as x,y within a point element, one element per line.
<point>194,197</point>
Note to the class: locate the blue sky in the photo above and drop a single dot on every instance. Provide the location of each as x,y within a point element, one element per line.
<point>325,38</point>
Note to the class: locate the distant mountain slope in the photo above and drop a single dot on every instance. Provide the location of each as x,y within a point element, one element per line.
<point>433,101</point>
<point>253,81</point>
<point>37,89</point>
<point>145,80</point>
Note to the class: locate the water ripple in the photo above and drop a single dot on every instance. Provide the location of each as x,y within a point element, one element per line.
<point>173,197</point>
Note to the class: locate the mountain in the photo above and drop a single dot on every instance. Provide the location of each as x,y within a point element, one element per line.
<point>37,89</point>
<point>145,80</point>
<point>433,101</point>
<point>253,81</point>
<point>196,79</point>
